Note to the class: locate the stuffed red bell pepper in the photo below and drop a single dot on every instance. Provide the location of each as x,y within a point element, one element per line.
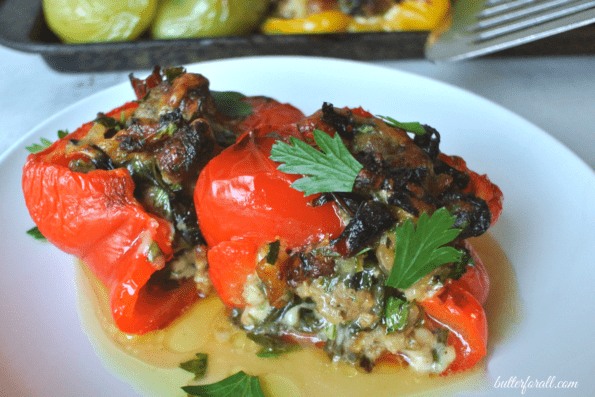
<point>118,192</point>
<point>371,262</point>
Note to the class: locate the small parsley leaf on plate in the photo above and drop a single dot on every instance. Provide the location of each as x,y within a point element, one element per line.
<point>239,384</point>
<point>419,249</point>
<point>332,170</point>
<point>414,127</point>
<point>228,103</point>
<point>197,366</point>
<point>36,147</point>
<point>36,234</point>
<point>45,143</point>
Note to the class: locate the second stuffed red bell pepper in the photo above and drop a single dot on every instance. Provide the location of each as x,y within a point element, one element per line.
<point>366,273</point>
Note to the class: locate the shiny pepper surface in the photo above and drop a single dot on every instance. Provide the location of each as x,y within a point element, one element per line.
<point>243,201</point>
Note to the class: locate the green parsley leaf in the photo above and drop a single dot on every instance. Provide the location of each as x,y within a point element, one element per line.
<point>228,103</point>
<point>36,147</point>
<point>238,385</point>
<point>419,250</point>
<point>36,234</point>
<point>333,170</point>
<point>414,127</point>
<point>197,366</point>
<point>45,143</point>
<point>396,314</point>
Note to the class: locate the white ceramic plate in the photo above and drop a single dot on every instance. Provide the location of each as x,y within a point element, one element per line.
<point>546,229</point>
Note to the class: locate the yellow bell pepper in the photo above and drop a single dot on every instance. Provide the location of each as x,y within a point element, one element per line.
<point>324,22</point>
<point>406,15</point>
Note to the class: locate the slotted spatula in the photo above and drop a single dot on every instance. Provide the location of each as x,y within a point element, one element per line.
<point>479,27</point>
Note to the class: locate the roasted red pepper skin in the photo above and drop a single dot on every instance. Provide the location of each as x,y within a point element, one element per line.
<point>267,111</point>
<point>359,111</point>
<point>475,279</point>
<point>230,264</point>
<point>95,217</point>
<point>243,201</point>
<point>241,193</point>
<point>456,308</point>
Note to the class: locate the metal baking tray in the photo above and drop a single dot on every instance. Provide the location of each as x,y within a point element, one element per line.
<point>22,27</point>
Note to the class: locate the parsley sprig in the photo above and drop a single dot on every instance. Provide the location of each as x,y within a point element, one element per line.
<point>36,147</point>
<point>45,143</point>
<point>36,234</point>
<point>239,384</point>
<point>332,170</point>
<point>420,249</point>
<point>197,366</point>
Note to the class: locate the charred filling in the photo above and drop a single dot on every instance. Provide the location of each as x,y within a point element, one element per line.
<point>343,124</point>
<point>371,219</point>
<point>163,145</point>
